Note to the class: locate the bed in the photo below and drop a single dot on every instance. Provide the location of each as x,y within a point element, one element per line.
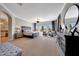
<point>27,32</point>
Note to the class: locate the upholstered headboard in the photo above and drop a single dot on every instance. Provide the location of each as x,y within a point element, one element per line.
<point>26,28</point>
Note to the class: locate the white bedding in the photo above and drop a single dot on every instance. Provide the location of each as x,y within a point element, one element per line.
<point>29,32</point>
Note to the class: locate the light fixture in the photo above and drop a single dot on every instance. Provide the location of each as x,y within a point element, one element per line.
<point>37,20</point>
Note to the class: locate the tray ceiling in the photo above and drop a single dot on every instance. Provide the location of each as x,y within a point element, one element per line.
<point>31,11</point>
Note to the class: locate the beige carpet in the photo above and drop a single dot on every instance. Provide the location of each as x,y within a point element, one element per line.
<point>39,46</point>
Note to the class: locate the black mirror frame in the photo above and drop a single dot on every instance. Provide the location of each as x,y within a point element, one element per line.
<point>78,15</point>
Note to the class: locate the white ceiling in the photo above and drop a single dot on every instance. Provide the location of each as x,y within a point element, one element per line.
<point>31,11</point>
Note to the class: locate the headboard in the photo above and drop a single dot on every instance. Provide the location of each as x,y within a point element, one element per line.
<point>25,28</point>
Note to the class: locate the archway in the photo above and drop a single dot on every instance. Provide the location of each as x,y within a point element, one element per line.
<point>5,26</point>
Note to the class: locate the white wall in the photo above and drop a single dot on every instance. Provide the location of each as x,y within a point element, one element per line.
<point>20,22</point>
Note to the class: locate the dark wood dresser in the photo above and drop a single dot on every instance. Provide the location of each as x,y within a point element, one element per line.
<point>72,45</point>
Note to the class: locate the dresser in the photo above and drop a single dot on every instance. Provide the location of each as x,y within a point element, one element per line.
<point>68,44</point>
<point>61,42</point>
<point>72,45</point>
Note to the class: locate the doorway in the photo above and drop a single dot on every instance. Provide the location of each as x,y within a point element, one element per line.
<point>4,27</point>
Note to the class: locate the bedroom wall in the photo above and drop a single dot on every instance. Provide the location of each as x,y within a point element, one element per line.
<point>20,22</point>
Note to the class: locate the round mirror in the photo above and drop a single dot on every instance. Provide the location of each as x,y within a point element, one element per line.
<point>71,17</point>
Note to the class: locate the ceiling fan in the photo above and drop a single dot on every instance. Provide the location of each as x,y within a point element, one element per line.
<point>37,20</point>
